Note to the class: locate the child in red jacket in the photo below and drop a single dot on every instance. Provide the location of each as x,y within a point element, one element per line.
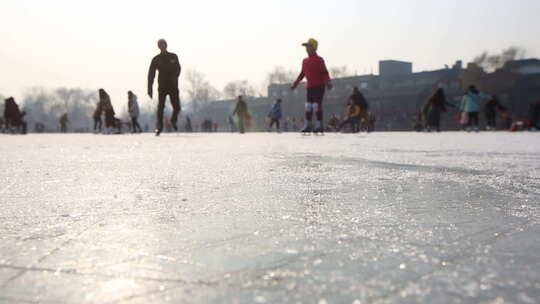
<point>318,79</point>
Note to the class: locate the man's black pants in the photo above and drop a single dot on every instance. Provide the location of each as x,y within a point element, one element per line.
<point>174,96</point>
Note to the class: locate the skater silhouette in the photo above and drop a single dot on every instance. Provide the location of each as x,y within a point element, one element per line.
<point>169,70</point>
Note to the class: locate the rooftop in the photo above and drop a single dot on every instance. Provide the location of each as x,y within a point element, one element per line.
<point>522,62</point>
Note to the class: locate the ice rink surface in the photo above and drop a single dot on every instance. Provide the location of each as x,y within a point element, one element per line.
<point>268,218</point>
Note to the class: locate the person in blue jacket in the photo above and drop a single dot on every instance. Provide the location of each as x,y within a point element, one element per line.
<point>275,115</point>
<point>471,105</point>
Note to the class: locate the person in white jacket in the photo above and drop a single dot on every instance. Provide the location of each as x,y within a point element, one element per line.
<point>133,109</point>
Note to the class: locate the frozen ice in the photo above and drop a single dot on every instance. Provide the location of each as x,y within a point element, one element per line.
<point>270,218</point>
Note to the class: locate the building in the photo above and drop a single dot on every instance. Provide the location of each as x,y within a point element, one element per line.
<point>389,68</point>
<point>398,94</point>
<point>517,85</point>
<point>523,67</point>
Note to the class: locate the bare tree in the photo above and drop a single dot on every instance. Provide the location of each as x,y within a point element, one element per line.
<point>339,72</point>
<point>65,96</point>
<point>47,106</point>
<point>199,90</point>
<point>237,88</point>
<point>491,62</point>
<point>280,75</point>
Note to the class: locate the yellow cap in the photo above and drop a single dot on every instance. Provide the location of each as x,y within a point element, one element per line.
<point>313,42</point>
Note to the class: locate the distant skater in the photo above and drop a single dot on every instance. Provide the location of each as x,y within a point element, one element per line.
<point>64,120</point>
<point>470,105</point>
<point>133,109</point>
<point>169,70</point>
<point>318,79</point>
<point>433,109</point>
<point>357,111</point>
<point>110,121</point>
<point>14,117</point>
<point>242,114</point>
<point>98,112</point>
<point>352,117</point>
<point>358,98</point>
<point>275,115</point>
<point>490,110</point>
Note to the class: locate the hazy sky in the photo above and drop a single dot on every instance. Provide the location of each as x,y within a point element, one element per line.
<point>93,44</point>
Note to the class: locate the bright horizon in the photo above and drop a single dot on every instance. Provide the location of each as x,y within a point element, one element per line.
<point>110,44</point>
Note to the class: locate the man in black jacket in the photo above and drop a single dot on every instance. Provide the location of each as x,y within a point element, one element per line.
<point>169,70</point>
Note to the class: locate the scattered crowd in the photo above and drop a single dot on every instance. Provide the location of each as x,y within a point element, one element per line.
<point>356,117</point>
<point>472,105</point>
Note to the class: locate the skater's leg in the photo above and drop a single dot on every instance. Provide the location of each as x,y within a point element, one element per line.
<point>318,115</point>
<point>475,119</point>
<point>272,122</point>
<point>309,111</point>
<point>138,125</point>
<point>319,110</point>
<point>317,102</point>
<point>160,109</point>
<point>308,116</point>
<point>133,124</point>
<point>175,102</point>
<point>241,125</point>
<point>470,121</point>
